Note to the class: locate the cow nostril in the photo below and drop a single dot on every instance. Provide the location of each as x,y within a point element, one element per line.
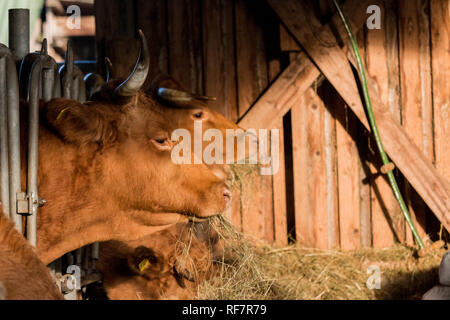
<point>226,195</point>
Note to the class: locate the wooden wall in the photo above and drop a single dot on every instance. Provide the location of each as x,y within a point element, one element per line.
<point>328,192</point>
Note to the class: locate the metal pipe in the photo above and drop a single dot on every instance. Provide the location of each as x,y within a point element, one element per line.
<point>19,32</point>
<point>57,88</point>
<point>75,88</point>
<point>13,136</point>
<point>48,84</point>
<point>47,76</point>
<point>66,72</point>
<point>24,73</point>
<point>4,167</point>
<point>82,95</point>
<point>42,84</point>
<point>95,248</point>
<point>33,132</point>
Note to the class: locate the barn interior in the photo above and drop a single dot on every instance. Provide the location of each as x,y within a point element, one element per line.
<point>288,66</point>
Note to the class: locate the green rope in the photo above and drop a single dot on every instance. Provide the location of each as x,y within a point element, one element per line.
<point>373,127</point>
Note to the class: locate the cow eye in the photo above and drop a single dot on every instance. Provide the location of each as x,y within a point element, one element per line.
<point>198,115</point>
<point>162,143</point>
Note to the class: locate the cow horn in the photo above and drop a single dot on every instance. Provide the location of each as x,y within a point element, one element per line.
<point>108,67</point>
<point>174,96</point>
<point>137,77</point>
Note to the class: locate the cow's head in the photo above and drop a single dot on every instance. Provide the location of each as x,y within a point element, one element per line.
<point>184,108</point>
<point>130,150</point>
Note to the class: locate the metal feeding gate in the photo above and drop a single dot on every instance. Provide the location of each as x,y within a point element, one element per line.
<point>33,77</point>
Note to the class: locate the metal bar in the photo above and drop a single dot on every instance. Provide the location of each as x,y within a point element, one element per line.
<point>4,167</point>
<point>66,72</point>
<point>75,89</point>
<point>48,84</point>
<point>42,84</point>
<point>81,87</point>
<point>95,248</point>
<point>19,32</point>
<point>33,135</point>
<point>13,137</point>
<point>24,73</point>
<point>57,88</point>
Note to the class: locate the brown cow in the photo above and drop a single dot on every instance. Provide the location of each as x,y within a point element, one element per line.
<point>154,283</point>
<point>156,266</point>
<point>106,172</point>
<point>182,108</point>
<point>22,274</point>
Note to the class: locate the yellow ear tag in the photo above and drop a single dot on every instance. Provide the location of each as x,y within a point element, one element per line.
<point>61,112</point>
<point>144,264</point>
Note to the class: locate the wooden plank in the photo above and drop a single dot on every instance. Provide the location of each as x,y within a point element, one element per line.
<point>267,207</point>
<point>219,59</point>
<point>250,53</point>
<point>288,87</point>
<point>331,101</point>
<point>348,179</point>
<point>309,164</point>
<point>114,19</point>
<point>296,78</point>
<point>330,158</point>
<point>236,213</point>
<point>303,213</point>
<point>404,153</point>
<point>152,19</point>
<point>287,43</point>
<point>115,36</point>
<point>267,181</point>
<point>382,66</point>
<point>416,97</point>
<point>185,43</point>
<point>440,46</point>
<point>279,194</point>
<point>251,204</point>
<point>278,181</point>
<point>440,29</point>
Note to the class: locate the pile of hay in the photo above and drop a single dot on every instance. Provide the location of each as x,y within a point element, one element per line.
<point>257,271</point>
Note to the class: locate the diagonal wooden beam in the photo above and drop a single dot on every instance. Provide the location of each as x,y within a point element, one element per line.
<point>332,61</point>
<point>297,77</point>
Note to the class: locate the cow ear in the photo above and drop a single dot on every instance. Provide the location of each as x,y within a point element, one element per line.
<point>79,123</point>
<point>166,81</point>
